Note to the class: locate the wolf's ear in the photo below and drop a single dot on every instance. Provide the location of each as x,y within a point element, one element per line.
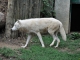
<point>19,21</point>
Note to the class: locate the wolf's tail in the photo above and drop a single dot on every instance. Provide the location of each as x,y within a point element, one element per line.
<point>62,32</point>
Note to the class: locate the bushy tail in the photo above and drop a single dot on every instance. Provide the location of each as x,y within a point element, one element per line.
<point>62,32</point>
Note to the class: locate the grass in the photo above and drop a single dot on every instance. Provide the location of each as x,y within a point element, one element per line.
<point>7,52</point>
<point>69,50</point>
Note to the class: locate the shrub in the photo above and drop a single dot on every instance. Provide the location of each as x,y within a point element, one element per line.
<point>46,6</point>
<point>74,35</point>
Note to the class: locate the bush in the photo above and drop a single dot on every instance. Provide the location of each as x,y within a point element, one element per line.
<point>47,6</point>
<point>74,35</point>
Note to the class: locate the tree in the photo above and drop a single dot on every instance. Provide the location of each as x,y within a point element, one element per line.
<point>9,18</point>
<point>27,9</point>
<point>34,8</point>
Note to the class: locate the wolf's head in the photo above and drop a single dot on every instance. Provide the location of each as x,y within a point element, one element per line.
<point>16,26</point>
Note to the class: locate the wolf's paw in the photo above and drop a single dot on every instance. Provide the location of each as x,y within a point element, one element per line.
<point>55,46</point>
<point>51,45</point>
<point>23,46</point>
<point>43,46</point>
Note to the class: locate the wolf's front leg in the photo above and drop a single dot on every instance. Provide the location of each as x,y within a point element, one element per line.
<point>40,38</point>
<point>28,39</point>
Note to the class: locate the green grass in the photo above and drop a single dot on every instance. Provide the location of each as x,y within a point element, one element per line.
<point>69,50</point>
<point>7,52</point>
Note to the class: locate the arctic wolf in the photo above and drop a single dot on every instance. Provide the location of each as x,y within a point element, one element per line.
<point>37,25</point>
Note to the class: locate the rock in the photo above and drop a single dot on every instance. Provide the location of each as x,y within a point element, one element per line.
<point>2,21</point>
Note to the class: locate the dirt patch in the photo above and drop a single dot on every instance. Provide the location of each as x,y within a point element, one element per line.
<point>12,46</point>
<point>11,43</point>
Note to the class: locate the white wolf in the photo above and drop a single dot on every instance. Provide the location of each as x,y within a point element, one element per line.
<point>36,25</point>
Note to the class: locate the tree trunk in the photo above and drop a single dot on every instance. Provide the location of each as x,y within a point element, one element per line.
<point>9,18</point>
<point>34,9</point>
<point>27,9</point>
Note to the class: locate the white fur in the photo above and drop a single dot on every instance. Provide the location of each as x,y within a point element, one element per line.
<point>37,25</point>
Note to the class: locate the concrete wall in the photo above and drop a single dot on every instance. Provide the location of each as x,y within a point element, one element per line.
<point>62,8</point>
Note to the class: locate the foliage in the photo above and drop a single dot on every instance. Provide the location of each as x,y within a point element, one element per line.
<point>46,7</point>
<point>74,35</point>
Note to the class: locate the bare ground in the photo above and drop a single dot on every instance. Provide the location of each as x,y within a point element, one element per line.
<point>11,43</point>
